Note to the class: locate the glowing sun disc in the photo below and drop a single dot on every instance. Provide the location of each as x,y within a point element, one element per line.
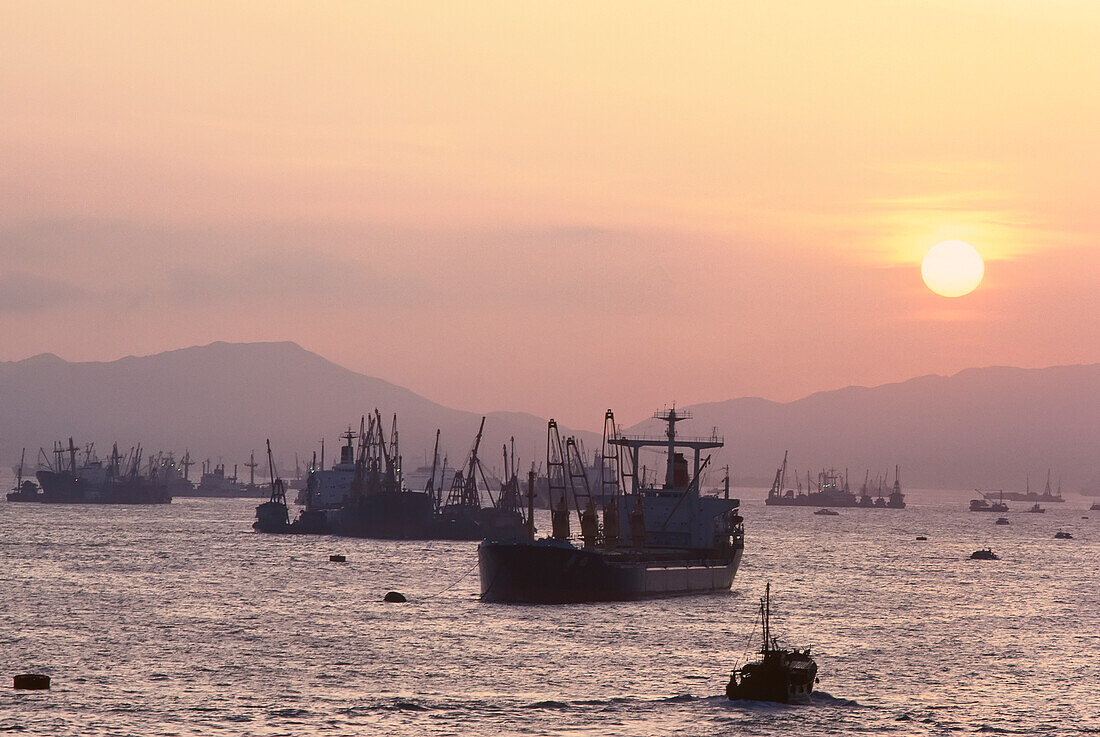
<point>952,268</point>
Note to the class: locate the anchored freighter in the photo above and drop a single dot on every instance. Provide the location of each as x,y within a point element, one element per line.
<point>653,540</point>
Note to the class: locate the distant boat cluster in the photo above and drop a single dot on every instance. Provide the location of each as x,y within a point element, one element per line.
<point>366,494</point>
<point>995,501</point>
<point>636,539</point>
<point>832,490</point>
<point>72,475</point>
<point>118,480</point>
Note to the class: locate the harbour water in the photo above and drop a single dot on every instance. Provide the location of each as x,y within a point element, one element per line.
<point>180,620</point>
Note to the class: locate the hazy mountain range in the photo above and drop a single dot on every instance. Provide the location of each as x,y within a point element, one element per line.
<point>985,427</point>
<point>224,399</point>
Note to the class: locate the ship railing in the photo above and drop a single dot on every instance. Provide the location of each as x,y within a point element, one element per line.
<point>679,438</point>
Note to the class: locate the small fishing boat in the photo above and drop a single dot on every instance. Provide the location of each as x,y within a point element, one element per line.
<point>827,513</point>
<point>783,675</point>
<point>1063,535</point>
<point>273,515</point>
<point>1002,521</point>
<point>24,490</point>
<point>988,504</point>
<point>984,554</point>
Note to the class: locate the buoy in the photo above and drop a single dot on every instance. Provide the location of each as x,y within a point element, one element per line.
<point>395,597</point>
<point>337,559</point>
<point>32,681</point>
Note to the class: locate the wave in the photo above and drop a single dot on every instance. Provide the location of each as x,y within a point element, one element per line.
<point>548,704</point>
<point>824,697</point>
<point>679,699</point>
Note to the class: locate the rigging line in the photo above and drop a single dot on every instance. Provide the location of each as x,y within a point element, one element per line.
<point>454,583</point>
<point>748,643</point>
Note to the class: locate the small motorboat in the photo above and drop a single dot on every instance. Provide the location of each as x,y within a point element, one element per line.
<point>827,513</point>
<point>783,675</point>
<point>24,491</point>
<point>1002,521</point>
<point>1063,535</point>
<point>984,554</point>
<point>1036,509</point>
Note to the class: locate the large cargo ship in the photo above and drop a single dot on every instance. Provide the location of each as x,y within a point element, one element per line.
<point>119,481</point>
<point>365,495</point>
<point>1048,495</point>
<point>653,541</point>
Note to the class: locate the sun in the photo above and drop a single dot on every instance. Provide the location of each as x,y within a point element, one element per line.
<point>953,268</point>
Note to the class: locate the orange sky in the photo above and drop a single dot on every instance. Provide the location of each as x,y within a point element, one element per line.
<point>554,207</point>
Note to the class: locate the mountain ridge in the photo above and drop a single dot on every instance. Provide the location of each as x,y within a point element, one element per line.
<point>979,427</point>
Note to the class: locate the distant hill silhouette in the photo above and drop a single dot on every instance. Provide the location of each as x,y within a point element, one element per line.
<point>982,428</point>
<point>224,399</point>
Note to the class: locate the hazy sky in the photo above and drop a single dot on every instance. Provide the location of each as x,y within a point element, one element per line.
<point>554,207</point>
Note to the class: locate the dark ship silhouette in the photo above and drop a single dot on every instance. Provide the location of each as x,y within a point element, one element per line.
<point>654,540</point>
<point>375,502</point>
<point>832,490</point>
<point>782,675</point>
<point>118,481</point>
<point>24,490</point>
<point>987,503</point>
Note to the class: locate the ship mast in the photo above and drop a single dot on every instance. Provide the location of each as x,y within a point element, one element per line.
<point>430,488</point>
<point>670,443</point>
<point>765,616</point>
<point>251,466</point>
<point>186,464</point>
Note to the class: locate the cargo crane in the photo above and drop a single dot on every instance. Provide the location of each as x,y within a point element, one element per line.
<point>509,498</point>
<point>557,486</point>
<point>612,469</point>
<point>429,488</point>
<point>273,515</point>
<point>577,478</point>
<point>464,493</point>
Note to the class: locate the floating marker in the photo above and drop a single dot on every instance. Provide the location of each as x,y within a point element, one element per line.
<point>32,681</point>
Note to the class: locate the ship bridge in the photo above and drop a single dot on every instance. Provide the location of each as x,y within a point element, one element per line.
<point>671,441</point>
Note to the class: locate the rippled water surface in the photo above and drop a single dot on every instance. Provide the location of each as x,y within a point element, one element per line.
<point>181,620</point>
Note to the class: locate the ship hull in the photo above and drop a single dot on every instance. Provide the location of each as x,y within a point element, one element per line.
<point>64,488</point>
<point>1019,496</point>
<point>406,515</point>
<point>391,516</point>
<point>552,572</point>
<point>813,500</point>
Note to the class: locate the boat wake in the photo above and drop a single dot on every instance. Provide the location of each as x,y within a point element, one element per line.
<point>818,699</point>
